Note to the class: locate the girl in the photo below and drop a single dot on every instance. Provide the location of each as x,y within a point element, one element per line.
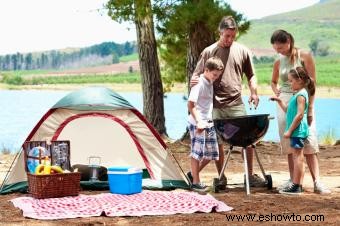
<point>296,123</point>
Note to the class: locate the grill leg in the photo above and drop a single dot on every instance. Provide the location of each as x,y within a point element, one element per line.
<point>259,162</point>
<point>225,164</point>
<point>246,170</point>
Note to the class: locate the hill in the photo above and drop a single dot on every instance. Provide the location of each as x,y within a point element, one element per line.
<point>100,54</point>
<point>320,21</point>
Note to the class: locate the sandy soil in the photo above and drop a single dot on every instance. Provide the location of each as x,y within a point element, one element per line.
<point>260,201</point>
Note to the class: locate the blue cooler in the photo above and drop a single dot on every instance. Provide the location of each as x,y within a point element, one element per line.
<point>125,180</point>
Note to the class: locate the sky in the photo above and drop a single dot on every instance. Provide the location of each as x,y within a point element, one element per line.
<point>39,25</point>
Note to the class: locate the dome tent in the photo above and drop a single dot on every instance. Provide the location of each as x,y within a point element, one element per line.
<point>99,122</point>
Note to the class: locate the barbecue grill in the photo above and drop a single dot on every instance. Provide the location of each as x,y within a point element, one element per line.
<point>242,131</point>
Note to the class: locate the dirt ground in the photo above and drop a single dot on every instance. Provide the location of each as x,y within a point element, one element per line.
<point>319,209</point>
<point>122,67</point>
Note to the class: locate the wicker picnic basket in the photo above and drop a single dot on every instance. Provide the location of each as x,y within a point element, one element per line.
<point>53,185</point>
<point>50,185</point>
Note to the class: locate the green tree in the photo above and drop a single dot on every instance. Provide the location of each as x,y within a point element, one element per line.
<point>128,48</point>
<point>44,60</point>
<point>28,61</point>
<point>187,29</point>
<point>20,58</point>
<point>2,59</point>
<point>7,65</point>
<point>140,12</point>
<point>14,59</point>
<point>130,69</point>
<point>318,47</point>
<point>313,45</point>
<point>115,58</point>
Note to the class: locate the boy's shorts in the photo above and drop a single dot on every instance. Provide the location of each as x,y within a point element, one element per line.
<point>297,142</point>
<point>203,145</point>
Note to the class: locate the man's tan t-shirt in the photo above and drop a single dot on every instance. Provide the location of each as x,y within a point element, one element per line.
<point>237,61</point>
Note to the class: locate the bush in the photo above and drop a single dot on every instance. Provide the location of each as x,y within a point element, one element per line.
<point>13,79</point>
<point>319,48</point>
<point>328,138</point>
<point>5,151</point>
<point>263,60</point>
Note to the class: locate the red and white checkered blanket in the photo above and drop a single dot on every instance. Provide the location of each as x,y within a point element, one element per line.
<point>145,203</point>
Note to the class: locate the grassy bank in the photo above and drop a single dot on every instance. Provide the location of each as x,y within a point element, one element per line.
<point>328,79</point>
<point>322,92</point>
<point>327,70</point>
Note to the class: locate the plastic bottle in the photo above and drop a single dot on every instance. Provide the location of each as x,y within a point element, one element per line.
<point>47,165</point>
<point>33,155</point>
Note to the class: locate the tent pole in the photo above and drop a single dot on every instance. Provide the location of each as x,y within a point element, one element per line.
<point>9,170</point>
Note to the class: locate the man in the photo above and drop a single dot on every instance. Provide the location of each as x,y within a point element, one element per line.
<point>228,89</point>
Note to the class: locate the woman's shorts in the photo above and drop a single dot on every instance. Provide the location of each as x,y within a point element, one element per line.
<point>203,145</point>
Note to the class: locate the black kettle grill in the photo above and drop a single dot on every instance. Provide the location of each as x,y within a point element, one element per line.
<point>243,131</point>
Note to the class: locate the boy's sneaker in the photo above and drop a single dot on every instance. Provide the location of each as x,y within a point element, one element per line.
<point>256,181</point>
<point>189,175</point>
<point>293,189</point>
<point>320,188</point>
<point>286,184</point>
<point>199,187</point>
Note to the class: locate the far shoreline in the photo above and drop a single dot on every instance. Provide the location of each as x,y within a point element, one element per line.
<point>263,90</point>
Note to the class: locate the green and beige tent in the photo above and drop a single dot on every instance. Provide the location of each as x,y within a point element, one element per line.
<point>100,122</point>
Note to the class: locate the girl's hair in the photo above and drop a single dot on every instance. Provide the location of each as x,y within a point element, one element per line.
<point>301,73</point>
<point>282,37</point>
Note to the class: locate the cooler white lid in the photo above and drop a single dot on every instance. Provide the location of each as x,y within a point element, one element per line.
<point>123,170</point>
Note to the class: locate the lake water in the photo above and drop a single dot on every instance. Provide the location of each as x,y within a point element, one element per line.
<point>21,110</point>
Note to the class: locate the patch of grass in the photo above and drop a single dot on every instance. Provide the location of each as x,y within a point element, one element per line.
<point>133,77</point>
<point>327,71</point>
<point>5,151</point>
<point>13,79</point>
<point>128,58</point>
<point>328,138</point>
<point>318,22</point>
<point>26,72</point>
<point>327,68</point>
<point>264,73</point>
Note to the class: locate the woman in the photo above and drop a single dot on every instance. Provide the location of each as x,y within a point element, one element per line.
<point>291,57</point>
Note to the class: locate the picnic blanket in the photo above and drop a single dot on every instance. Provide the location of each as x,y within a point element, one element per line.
<point>107,204</point>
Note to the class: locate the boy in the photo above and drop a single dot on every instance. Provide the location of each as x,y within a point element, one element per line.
<point>204,145</point>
